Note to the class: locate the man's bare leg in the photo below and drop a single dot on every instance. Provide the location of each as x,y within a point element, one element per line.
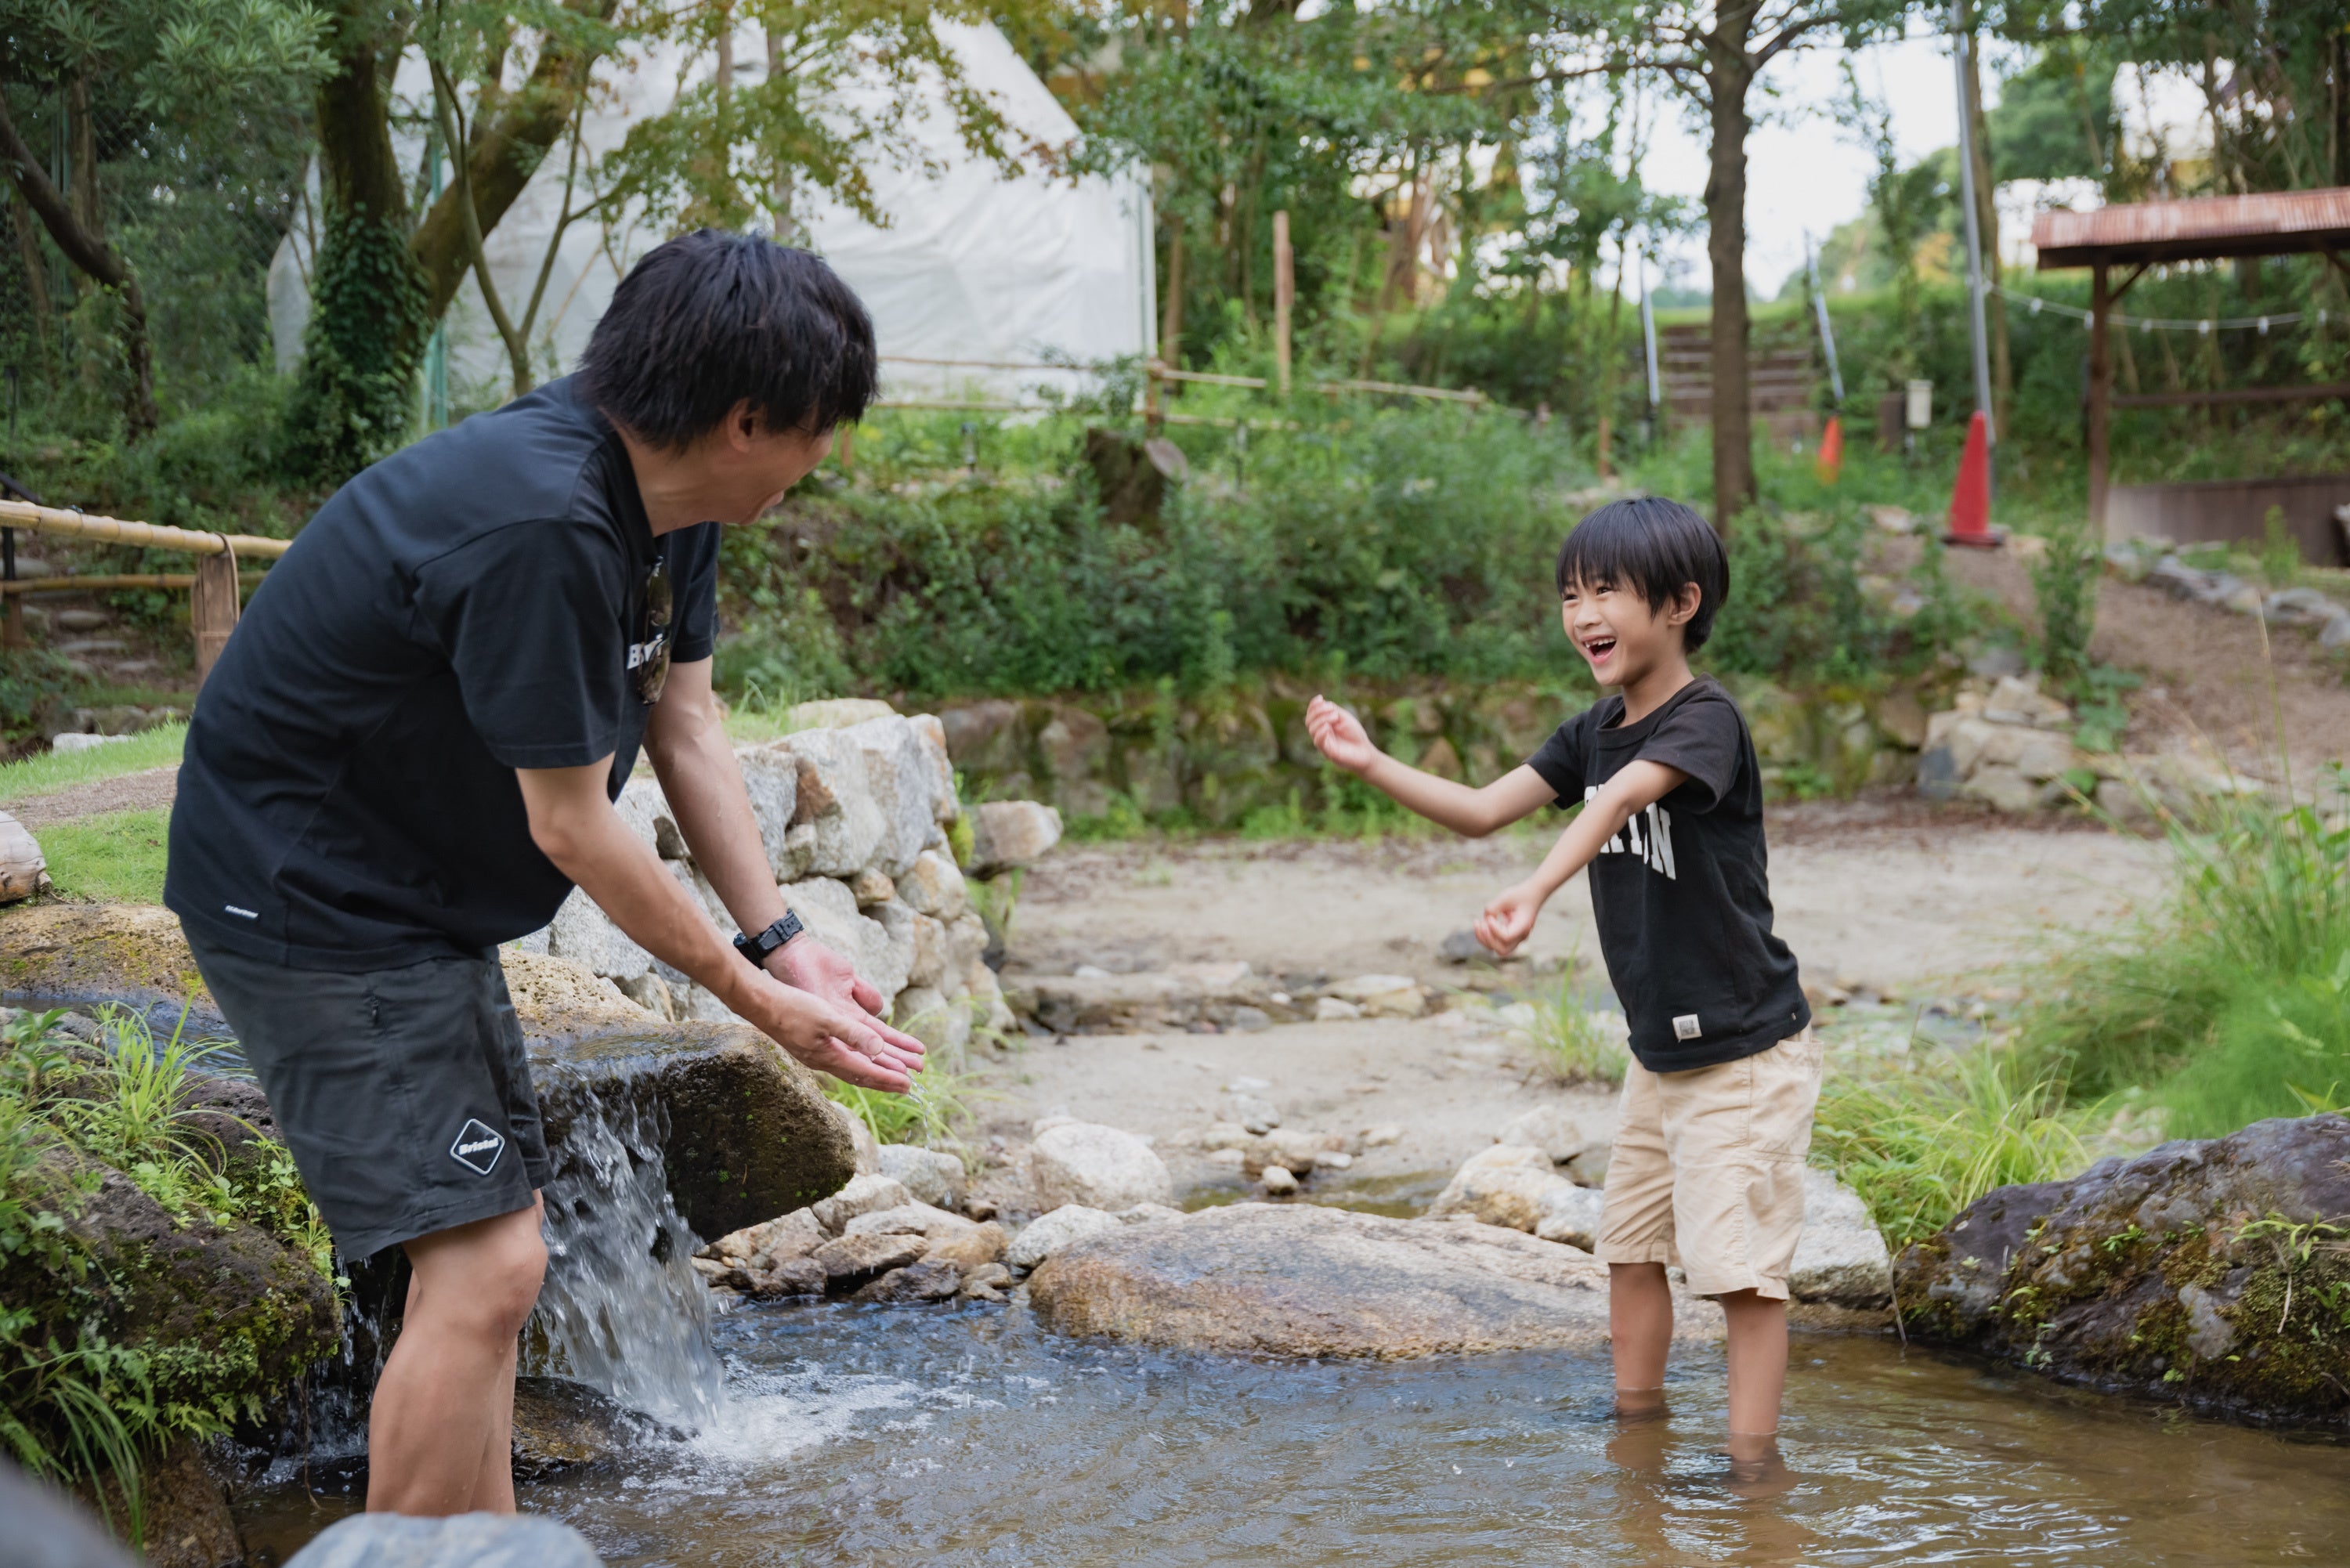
<point>1640,1332</point>
<point>439,1432</point>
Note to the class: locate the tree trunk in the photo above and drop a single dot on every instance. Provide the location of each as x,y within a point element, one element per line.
<point>1728,74</point>
<point>2002,366</point>
<point>1170,321</point>
<point>36,281</point>
<point>95,260</point>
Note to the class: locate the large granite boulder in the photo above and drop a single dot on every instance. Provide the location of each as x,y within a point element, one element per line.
<point>1306,1281</point>
<point>2213,1273</point>
<point>55,955</point>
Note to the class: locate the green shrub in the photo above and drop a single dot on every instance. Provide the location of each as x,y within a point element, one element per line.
<point>2064,590</point>
<point>2226,1001</point>
<point>1921,1138</point>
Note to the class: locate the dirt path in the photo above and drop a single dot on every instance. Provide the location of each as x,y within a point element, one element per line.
<point>145,791</point>
<point>2206,675</point>
<point>1890,897</point>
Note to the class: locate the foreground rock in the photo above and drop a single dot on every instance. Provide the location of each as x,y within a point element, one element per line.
<point>1305,1280</point>
<point>466,1540</point>
<point>1842,1260</point>
<point>44,1531</point>
<point>871,1241</point>
<point>2213,1273</point>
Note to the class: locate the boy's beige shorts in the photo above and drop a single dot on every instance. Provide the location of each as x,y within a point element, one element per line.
<point>1708,1171</point>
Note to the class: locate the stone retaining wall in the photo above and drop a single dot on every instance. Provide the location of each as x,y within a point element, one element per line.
<point>859,818</point>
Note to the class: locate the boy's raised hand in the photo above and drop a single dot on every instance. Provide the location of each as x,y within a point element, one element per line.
<point>1339,736</point>
<point>1509,920</point>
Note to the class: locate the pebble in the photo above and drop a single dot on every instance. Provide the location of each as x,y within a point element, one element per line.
<point>1380,1136</point>
<point>1334,1010</point>
<point>1255,1115</point>
<point>1232,1157</point>
<point>1278,1181</point>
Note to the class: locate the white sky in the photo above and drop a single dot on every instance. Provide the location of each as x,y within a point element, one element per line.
<point>1804,172</point>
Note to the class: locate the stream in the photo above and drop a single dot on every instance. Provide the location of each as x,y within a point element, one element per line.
<point>951,1435</point>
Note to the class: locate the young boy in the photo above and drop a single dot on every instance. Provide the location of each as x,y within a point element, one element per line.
<point>1708,1168</point>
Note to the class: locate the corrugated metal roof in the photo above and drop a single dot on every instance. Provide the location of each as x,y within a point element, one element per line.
<point>2273,222</point>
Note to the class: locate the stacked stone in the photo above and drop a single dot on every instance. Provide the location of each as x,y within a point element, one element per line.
<point>854,812</point>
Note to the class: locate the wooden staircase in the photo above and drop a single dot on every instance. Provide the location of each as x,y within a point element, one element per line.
<point>1782,380</point>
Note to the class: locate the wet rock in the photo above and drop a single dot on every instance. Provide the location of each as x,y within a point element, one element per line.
<point>771,1243</point>
<point>1048,1233</point>
<point>1508,1185</point>
<point>46,1530</point>
<point>1842,1259</point>
<point>1278,1180</point>
<point>464,1541</point>
<point>750,1134</point>
<point>2203,1272</point>
<point>976,1246</point>
<point>930,1279</point>
<point>559,1425</point>
<point>1559,1131</point>
<point>1009,834</point>
<point>931,1176</point>
<point>1097,1167</point>
<point>985,1284</point>
<point>53,955</point>
<point>1307,1281</point>
<point>864,1194</point>
<point>189,1523</point>
<point>850,1260</point>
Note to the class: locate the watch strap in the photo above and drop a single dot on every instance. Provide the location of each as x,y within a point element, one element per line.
<point>760,948</point>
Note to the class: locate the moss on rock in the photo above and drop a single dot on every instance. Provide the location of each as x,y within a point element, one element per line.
<point>2215,1273</point>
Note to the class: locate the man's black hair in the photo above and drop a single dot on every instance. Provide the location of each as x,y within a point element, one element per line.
<point>711,319</point>
<point>1652,547</point>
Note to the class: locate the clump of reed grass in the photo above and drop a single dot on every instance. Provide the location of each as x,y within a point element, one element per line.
<point>1921,1137</point>
<point>1577,1044</point>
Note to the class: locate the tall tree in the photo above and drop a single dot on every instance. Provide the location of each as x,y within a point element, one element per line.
<point>170,69</point>
<point>1714,51</point>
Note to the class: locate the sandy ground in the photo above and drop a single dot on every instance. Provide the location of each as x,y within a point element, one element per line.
<point>1899,899</point>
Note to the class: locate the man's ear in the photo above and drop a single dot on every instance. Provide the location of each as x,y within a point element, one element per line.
<point>743,423</point>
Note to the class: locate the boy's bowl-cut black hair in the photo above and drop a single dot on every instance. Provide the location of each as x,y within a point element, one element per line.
<point>1652,547</point>
<point>710,319</point>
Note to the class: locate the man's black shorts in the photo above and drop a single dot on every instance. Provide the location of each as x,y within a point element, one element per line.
<point>404,1093</point>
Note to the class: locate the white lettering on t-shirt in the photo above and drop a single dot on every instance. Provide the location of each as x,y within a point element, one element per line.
<point>1655,848</point>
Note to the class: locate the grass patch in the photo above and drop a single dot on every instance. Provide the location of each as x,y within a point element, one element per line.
<point>53,770</point>
<point>2229,1002</point>
<point>116,858</point>
<point>1921,1137</point>
<point>1576,1044</point>
<point>932,1113</point>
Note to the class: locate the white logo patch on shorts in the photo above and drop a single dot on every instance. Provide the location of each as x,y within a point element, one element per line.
<point>1685,1027</point>
<point>477,1147</point>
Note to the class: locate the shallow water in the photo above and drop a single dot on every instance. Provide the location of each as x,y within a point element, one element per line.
<point>967,1435</point>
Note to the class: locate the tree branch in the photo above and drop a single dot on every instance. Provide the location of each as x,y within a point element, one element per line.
<point>92,256</point>
<point>445,111</point>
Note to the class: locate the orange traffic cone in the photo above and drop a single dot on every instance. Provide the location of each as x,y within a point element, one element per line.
<point>1971,497</point>
<point>1830,462</point>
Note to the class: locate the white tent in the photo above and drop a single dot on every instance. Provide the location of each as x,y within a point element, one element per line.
<point>974,272</point>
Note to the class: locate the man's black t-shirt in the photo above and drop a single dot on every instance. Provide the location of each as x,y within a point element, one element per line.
<point>476,603</point>
<point>1683,893</point>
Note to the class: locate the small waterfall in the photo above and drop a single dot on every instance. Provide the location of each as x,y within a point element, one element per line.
<point>622,1310</point>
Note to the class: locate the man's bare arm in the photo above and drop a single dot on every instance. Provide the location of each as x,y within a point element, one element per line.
<point>686,740</point>
<point>574,825</point>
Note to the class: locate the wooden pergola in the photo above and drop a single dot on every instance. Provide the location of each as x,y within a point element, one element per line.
<point>2148,233</point>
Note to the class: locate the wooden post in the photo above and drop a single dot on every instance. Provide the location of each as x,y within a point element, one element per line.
<point>1284,292</point>
<point>1151,419</point>
<point>1170,318</point>
<point>2101,388</point>
<point>212,608</point>
<point>12,607</point>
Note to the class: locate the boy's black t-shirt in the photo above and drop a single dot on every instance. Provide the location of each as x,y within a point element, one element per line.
<point>1683,894</point>
<point>476,603</point>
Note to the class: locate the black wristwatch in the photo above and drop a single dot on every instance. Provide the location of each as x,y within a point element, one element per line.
<point>760,948</point>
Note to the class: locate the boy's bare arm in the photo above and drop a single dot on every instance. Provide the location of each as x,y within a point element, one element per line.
<point>1340,736</point>
<point>1509,920</point>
